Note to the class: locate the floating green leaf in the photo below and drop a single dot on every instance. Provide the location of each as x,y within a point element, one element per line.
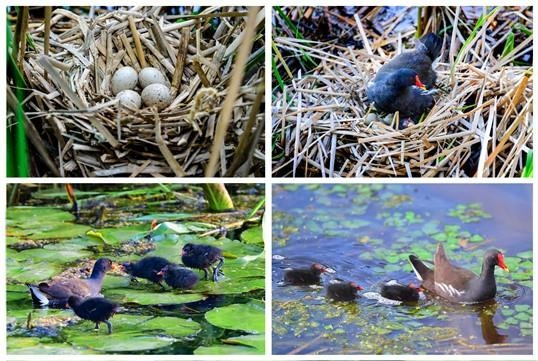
<point>251,318</point>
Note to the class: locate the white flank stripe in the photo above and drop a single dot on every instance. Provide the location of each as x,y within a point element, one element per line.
<point>449,289</point>
<point>416,272</point>
<point>39,295</point>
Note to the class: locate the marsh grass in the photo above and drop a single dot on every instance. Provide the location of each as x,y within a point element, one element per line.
<point>481,124</point>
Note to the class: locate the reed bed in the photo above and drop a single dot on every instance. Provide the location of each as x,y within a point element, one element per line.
<point>481,124</point>
<point>68,60</point>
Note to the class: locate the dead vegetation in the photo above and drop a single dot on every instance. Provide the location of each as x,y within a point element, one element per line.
<point>213,60</point>
<point>481,124</point>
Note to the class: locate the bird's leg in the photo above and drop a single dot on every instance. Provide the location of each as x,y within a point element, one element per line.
<point>109,326</point>
<point>162,286</point>
<point>205,274</point>
<point>217,270</point>
<point>96,326</point>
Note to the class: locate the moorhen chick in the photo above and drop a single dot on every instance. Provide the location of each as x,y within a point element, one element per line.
<point>203,256</point>
<point>147,268</point>
<point>398,292</point>
<point>343,291</point>
<point>400,85</point>
<point>56,293</point>
<point>178,277</point>
<point>305,276</point>
<point>457,284</point>
<point>96,309</point>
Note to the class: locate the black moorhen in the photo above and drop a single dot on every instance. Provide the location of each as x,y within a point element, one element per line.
<point>304,276</point>
<point>178,277</point>
<point>343,291</point>
<point>400,85</point>
<point>96,309</point>
<point>202,256</point>
<point>398,292</point>
<point>457,284</point>
<point>147,268</point>
<point>56,293</point>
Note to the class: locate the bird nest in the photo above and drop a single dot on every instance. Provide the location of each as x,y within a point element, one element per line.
<point>68,65</point>
<point>480,125</point>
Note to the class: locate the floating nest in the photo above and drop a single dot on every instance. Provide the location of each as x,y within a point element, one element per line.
<point>481,124</point>
<point>213,61</point>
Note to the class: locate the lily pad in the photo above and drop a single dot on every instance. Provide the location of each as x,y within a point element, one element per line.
<point>226,350</point>
<point>40,346</point>
<point>248,317</point>
<point>142,297</point>
<point>253,235</point>
<point>132,333</point>
<point>51,255</point>
<point>256,341</point>
<point>31,271</point>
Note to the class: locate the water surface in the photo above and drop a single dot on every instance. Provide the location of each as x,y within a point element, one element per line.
<point>366,232</point>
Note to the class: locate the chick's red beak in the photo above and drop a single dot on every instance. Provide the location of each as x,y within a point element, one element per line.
<point>500,262</point>
<point>419,84</point>
<point>357,287</point>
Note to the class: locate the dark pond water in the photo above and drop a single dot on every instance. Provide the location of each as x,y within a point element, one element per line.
<point>44,241</point>
<point>366,232</point>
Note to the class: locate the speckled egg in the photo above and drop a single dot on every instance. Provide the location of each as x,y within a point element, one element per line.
<point>124,78</point>
<point>129,98</point>
<point>148,76</point>
<point>156,94</point>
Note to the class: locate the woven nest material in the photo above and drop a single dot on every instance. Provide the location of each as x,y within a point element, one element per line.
<point>325,127</point>
<point>89,133</point>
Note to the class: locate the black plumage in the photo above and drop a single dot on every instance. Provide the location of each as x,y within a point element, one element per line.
<point>400,85</point>
<point>147,268</point>
<point>398,292</point>
<point>304,276</point>
<point>343,291</point>
<point>202,256</point>
<point>96,309</point>
<point>179,277</point>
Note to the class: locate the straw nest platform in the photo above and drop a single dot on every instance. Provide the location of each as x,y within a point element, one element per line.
<point>481,124</point>
<point>86,132</point>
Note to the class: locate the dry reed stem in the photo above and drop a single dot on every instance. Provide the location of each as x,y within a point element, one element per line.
<point>225,115</point>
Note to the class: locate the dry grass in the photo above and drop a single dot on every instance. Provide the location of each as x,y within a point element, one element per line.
<point>320,124</point>
<point>87,132</point>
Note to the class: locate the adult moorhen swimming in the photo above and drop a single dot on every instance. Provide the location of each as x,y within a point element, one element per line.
<point>398,292</point>
<point>56,293</point>
<point>178,277</point>
<point>202,256</point>
<point>400,85</point>
<point>147,268</point>
<point>457,284</point>
<point>343,291</point>
<point>304,276</point>
<point>96,309</point>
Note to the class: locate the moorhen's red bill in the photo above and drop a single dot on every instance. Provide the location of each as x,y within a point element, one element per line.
<point>457,284</point>
<point>203,256</point>
<point>178,277</point>
<point>96,309</point>
<point>400,85</point>
<point>343,291</point>
<point>56,293</point>
<point>304,276</point>
<point>398,292</point>
<point>147,268</point>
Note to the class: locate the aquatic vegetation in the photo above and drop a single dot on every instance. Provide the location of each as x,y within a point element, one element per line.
<point>373,247</point>
<point>46,241</point>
